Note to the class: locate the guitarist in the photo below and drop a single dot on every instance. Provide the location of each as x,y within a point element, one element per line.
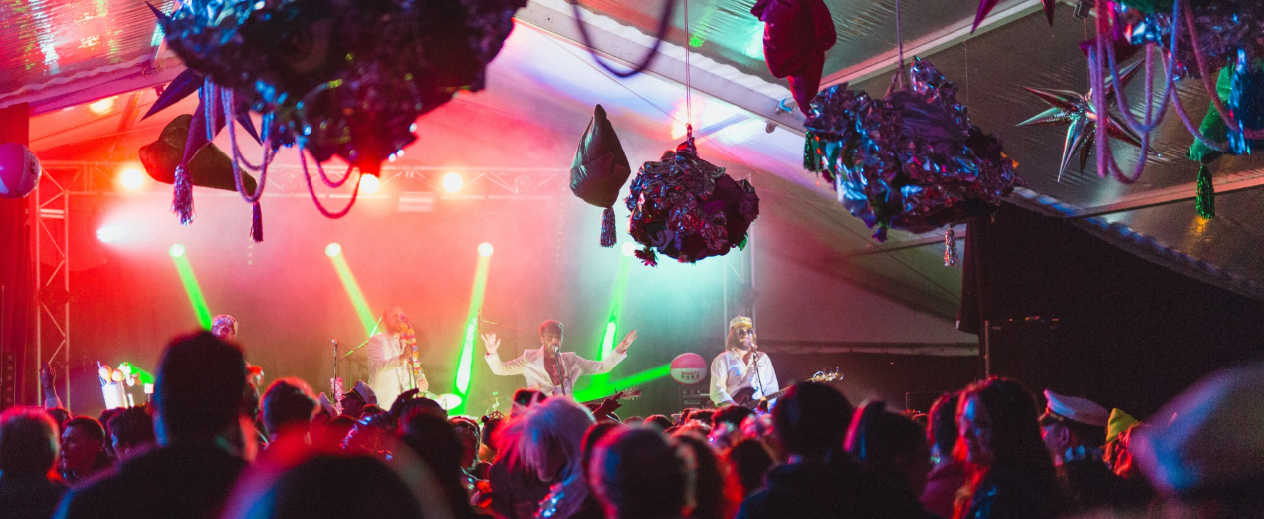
<point>549,369</point>
<point>741,367</point>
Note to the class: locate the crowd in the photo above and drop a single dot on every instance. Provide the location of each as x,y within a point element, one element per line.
<point>211,446</point>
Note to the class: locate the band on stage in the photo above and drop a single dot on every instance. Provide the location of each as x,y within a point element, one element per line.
<point>741,374</point>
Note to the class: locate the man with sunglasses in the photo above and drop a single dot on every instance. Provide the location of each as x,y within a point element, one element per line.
<point>741,366</point>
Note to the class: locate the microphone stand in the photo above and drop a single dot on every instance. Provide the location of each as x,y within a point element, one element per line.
<point>561,376</point>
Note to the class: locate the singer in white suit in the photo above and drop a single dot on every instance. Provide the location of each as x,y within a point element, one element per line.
<point>549,369</point>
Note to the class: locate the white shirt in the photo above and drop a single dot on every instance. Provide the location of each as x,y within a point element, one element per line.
<point>729,374</point>
<point>387,375</point>
<point>531,365</point>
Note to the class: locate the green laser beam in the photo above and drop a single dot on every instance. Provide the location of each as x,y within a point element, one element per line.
<point>465,366</point>
<point>593,392</point>
<point>353,291</point>
<point>610,328</point>
<point>193,290</point>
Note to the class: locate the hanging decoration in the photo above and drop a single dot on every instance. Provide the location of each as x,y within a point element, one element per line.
<point>796,35</point>
<point>687,208</point>
<point>910,161</point>
<point>986,6</point>
<point>1196,39</point>
<point>599,170</point>
<point>333,77</point>
<point>19,170</point>
<point>1076,111</point>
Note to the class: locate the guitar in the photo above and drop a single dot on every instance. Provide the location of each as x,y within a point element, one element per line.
<point>745,397</point>
<point>604,406</point>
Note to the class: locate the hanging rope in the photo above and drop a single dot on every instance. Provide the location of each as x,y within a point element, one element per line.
<point>899,42</point>
<point>664,24</point>
<point>688,82</point>
<point>238,158</point>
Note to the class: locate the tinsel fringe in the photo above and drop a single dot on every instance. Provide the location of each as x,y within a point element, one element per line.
<point>182,203</point>
<point>256,224</point>
<point>608,237</point>
<point>950,248</point>
<point>1205,194</point>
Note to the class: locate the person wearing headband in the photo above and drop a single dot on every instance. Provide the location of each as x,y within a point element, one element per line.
<point>741,365</point>
<point>390,355</point>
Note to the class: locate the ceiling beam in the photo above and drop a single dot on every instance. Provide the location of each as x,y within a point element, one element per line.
<point>626,46</point>
<point>1229,183</point>
<point>66,92</point>
<point>951,35</point>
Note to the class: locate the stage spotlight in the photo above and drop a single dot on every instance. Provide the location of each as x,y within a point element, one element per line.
<point>102,106</point>
<point>109,234</point>
<point>176,251</point>
<point>132,178</point>
<point>629,249</point>
<point>333,249</point>
<point>452,182</point>
<point>485,250</point>
<point>369,184</point>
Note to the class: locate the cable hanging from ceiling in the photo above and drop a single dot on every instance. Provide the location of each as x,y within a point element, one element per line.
<point>664,24</point>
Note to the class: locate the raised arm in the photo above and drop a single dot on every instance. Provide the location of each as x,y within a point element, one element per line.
<point>513,367</point>
<point>592,367</point>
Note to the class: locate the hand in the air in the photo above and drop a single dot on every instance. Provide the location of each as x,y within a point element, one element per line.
<point>423,385</point>
<point>491,342</point>
<point>626,342</point>
<point>47,376</point>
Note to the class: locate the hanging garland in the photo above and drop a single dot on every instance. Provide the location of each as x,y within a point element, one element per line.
<point>1191,36</point>
<point>333,77</point>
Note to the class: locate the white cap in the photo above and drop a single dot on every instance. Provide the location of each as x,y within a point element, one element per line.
<point>1077,409</point>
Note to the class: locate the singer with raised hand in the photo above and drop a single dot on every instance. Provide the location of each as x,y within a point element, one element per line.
<point>741,366</point>
<point>392,353</point>
<point>549,369</point>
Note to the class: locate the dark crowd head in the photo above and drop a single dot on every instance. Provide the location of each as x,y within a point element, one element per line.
<point>942,430</point>
<point>889,444</point>
<point>335,487</point>
<point>592,437</point>
<point>716,494</point>
<point>998,426</point>
<point>199,388</point>
<point>28,442</point>
<point>467,431</point>
<point>60,416</point>
<point>751,461</point>
<point>352,405</point>
<point>132,431</point>
<point>637,474</point>
<point>436,442</point>
<point>1062,434</point>
<point>660,422</point>
<point>288,406</point>
<point>733,414</point>
<point>82,445</point>
<point>334,432</point>
<point>811,420</point>
<point>491,424</point>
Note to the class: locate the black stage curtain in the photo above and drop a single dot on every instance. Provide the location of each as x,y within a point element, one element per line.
<point>17,271</point>
<point>1076,313</point>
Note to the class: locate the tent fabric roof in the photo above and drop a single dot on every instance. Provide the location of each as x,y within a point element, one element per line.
<point>75,48</point>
